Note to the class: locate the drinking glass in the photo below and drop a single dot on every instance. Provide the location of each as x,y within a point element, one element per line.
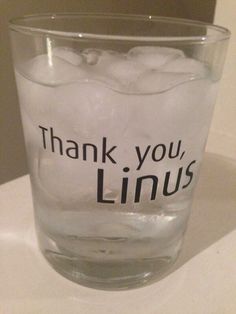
<point>115,110</point>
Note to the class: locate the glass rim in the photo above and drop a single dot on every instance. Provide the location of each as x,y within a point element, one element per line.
<point>221,32</point>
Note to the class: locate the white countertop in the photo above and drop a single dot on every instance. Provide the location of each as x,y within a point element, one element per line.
<point>203,280</point>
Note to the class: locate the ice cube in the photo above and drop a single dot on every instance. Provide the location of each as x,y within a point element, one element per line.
<point>67,54</point>
<point>190,102</point>
<point>154,57</point>
<point>92,55</point>
<point>186,65</point>
<point>36,100</point>
<point>90,110</point>
<point>125,71</point>
<point>97,62</point>
<point>68,180</point>
<point>31,131</point>
<point>113,68</point>
<point>51,70</point>
<point>155,81</point>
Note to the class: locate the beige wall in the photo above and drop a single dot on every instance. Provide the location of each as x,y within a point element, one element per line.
<point>12,154</point>
<point>222,138</point>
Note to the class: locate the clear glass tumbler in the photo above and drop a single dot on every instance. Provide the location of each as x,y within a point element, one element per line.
<point>116,110</point>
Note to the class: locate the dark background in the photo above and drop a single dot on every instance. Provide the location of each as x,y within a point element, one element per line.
<point>12,152</point>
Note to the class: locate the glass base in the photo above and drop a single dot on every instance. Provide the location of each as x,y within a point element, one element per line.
<point>115,275</point>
